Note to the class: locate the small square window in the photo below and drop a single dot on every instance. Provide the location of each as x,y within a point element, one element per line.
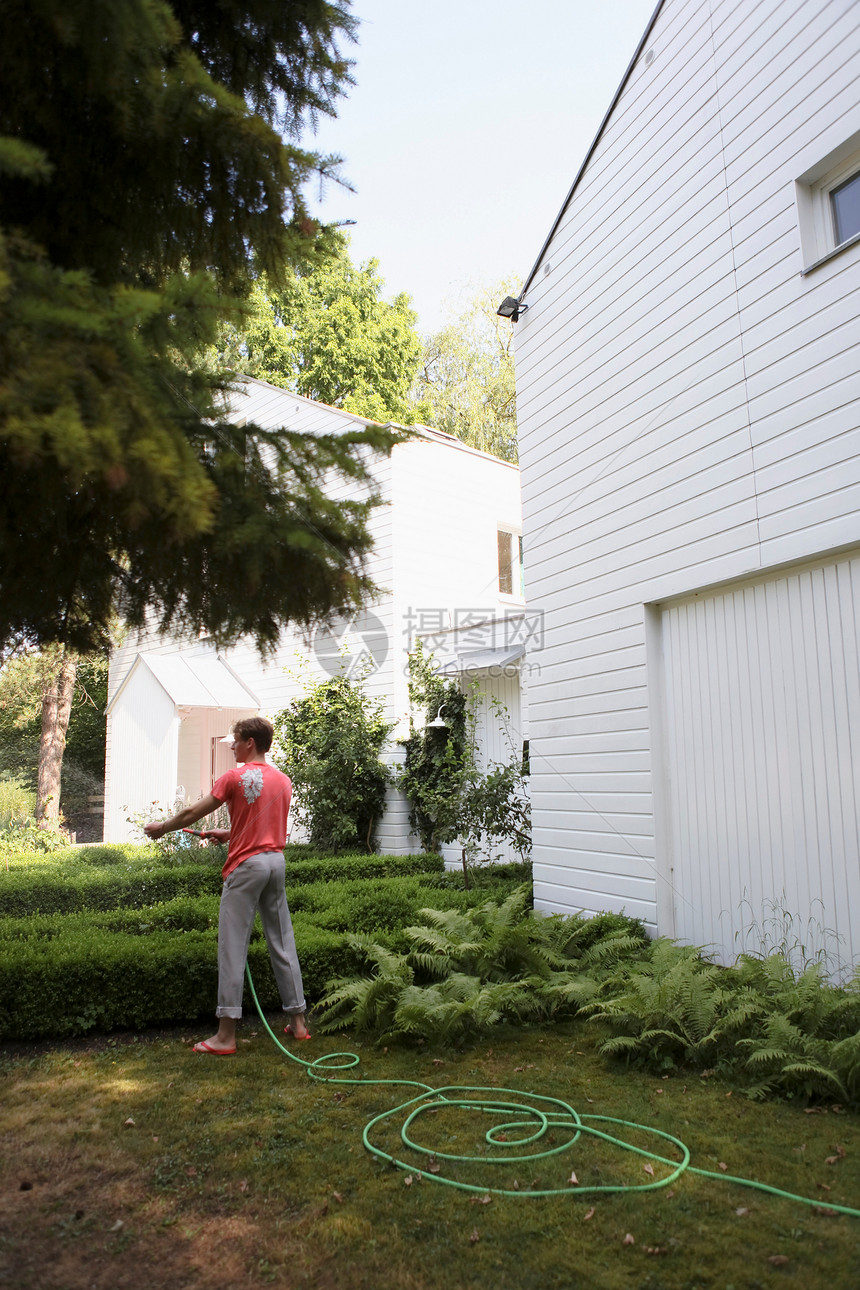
<point>845,204</point>
<point>828,204</point>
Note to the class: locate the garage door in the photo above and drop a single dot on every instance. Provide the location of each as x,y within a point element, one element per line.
<point>762,764</point>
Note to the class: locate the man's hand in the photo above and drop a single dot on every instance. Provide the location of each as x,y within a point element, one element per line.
<point>216,835</point>
<point>154,831</point>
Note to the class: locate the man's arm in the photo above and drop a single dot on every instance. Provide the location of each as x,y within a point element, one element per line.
<point>183,818</point>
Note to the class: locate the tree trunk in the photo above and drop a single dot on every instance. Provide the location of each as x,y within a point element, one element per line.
<point>56,710</point>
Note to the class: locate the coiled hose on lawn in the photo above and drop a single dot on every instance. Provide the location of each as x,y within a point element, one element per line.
<point>520,1119</point>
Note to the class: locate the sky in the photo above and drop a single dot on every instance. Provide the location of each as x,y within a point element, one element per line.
<point>464,132</point>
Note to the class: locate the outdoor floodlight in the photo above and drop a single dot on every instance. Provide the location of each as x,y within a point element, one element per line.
<point>511,308</point>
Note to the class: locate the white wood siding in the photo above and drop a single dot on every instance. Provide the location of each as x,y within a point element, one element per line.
<point>146,728</point>
<point>687,401</point>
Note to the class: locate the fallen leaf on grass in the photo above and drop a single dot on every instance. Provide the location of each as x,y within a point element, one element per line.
<point>779,1260</point>
<point>155,1137</point>
<point>588,1214</point>
<point>191,1171</point>
<point>336,1195</point>
<point>656,1249</point>
<point>473,1236</point>
<point>437,1061</point>
<point>825,1210</point>
<point>434,1167</point>
<point>129,1123</point>
<point>648,1169</point>
<point>407,1181</point>
<point>573,1181</point>
<point>480,1200</point>
<point>629,1240</point>
<point>118,1225</point>
<point>814,1110</point>
<point>659,1090</point>
<point>741,1210</point>
<point>722,1165</point>
<point>243,1185</point>
<point>824,1186</point>
<point>670,1194</point>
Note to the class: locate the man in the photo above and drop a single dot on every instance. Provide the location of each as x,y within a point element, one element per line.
<point>257,796</point>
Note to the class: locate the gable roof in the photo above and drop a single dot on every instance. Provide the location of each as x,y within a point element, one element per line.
<point>590,153</point>
<point>193,681</point>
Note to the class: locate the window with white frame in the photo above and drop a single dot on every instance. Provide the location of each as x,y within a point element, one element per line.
<point>828,204</point>
<point>511,579</point>
<point>845,208</point>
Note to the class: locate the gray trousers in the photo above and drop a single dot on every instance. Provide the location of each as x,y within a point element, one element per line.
<point>257,883</point>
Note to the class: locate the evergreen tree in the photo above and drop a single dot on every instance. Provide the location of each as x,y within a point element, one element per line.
<point>144,176</point>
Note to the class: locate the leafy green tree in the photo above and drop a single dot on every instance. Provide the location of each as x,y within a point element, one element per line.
<point>144,177</point>
<point>329,744</point>
<point>466,382</point>
<point>52,725</point>
<point>327,332</point>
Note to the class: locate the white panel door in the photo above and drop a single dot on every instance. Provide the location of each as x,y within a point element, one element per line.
<point>762,758</point>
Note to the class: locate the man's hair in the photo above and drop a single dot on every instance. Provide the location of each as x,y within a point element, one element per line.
<point>257,728</point>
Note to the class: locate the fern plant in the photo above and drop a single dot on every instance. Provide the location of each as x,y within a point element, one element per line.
<point>784,1059</point>
<point>673,1006</point>
<point>468,970</point>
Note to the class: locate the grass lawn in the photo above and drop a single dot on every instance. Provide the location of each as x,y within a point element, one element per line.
<point>131,1162</point>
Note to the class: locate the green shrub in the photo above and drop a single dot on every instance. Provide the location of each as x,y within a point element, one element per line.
<point>329,743</point>
<point>62,976</point>
<point>63,972</point>
<point>17,802</point>
<point>112,877</point>
<point>129,886</point>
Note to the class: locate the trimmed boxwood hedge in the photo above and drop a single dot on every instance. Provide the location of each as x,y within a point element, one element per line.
<point>115,980</point>
<point>76,882</point>
<point>144,961</point>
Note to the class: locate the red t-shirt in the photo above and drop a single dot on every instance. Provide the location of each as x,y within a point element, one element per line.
<point>258,798</point>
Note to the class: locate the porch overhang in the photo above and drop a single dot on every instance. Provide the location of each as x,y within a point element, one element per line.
<point>467,662</point>
<point>194,681</point>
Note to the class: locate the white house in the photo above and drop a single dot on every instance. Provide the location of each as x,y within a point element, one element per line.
<point>448,556</point>
<point>689,417</point>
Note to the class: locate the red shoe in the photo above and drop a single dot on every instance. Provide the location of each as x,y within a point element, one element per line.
<point>288,1030</point>
<point>203,1047</point>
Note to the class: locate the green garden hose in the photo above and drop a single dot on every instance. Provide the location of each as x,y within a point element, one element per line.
<point>521,1119</point>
